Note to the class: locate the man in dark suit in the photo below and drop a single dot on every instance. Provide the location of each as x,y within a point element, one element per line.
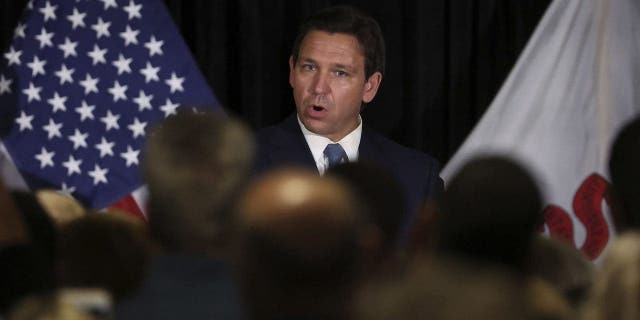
<point>336,68</point>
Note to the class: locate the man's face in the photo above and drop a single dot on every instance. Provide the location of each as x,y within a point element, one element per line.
<point>329,84</point>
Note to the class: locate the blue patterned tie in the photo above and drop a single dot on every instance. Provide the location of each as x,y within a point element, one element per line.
<point>335,154</point>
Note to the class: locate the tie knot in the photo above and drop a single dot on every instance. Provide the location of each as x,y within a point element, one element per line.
<point>335,154</point>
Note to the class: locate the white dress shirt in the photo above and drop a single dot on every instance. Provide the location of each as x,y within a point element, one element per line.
<point>317,143</point>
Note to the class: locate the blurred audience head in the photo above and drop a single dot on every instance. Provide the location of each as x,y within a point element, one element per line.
<point>50,307</point>
<point>625,174</point>
<point>60,207</point>
<point>489,212</point>
<point>616,290</point>
<point>443,289</point>
<point>562,266</point>
<point>298,249</point>
<point>195,164</point>
<point>108,250</point>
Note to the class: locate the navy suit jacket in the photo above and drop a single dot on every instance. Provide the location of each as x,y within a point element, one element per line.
<point>417,172</point>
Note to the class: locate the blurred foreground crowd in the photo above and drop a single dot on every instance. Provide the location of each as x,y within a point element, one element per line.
<point>222,243</point>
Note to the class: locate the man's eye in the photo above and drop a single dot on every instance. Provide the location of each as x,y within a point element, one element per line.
<point>341,73</point>
<point>308,67</point>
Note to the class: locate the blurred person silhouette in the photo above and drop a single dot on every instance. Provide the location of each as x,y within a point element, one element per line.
<point>298,249</point>
<point>28,239</point>
<point>616,289</point>
<point>194,164</point>
<point>61,208</point>
<point>624,171</point>
<point>489,213</point>
<point>108,250</point>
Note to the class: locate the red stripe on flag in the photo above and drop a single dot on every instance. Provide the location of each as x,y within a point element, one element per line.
<point>129,205</point>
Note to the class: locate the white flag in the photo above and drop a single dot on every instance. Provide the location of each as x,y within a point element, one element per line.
<point>575,85</point>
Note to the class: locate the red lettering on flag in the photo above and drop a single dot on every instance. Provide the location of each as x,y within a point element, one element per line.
<point>587,205</point>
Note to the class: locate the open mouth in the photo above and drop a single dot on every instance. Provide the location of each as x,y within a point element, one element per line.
<point>317,108</point>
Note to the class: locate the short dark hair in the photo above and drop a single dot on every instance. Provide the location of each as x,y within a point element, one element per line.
<point>351,21</point>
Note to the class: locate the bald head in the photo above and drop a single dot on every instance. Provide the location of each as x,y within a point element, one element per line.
<point>298,243</point>
<point>298,205</point>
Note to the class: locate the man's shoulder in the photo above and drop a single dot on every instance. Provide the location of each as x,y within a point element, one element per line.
<point>397,151</point>
<point>279,133</point>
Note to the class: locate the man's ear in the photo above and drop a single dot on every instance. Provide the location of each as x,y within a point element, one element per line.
<point>292,66</point>
<point>370,87</point>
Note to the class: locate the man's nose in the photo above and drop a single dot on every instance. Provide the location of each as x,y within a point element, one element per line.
<point>320,83</point>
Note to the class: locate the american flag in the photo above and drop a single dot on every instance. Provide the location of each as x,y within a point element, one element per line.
<point>81,84</point>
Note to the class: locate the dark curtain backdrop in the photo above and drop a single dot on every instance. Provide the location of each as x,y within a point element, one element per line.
<point>446,59</point>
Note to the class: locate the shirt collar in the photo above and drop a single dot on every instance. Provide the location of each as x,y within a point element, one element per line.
<point>317,143</point>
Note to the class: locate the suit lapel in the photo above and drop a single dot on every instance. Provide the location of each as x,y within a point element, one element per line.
<point>290,146</point>
<point>369,151</point>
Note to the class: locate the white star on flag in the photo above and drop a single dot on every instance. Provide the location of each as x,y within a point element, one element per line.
<point>24,121</point>
<point>33,92</point>
<point>150,73</point>
<point>137,128</point>
<point>169,108</point>
<point>130,36</point>
<point>45,38</point>
<point>53,129</point>
<point>67,189</point>
<point>72,165</point>
<point>133,10</point>
<point>76,19</point>
<point>20,31</point>
<point>45,157</point>
<point>154,46</point>
<point>131,156</point>
<point>105,147</point>
<point>79,139</point>
<point>111,121</point>
<point>109,4</point>
<point>118,91</point>
<point>13,56</point>
<point>143,101</point>
<point>101,28</point>
<point>65,74</point>
<point>85,111</point>
<point>175,83</point>
<point>122,64</point>
<point>68,47</point>
<point>90,84</point>
<point>97,55</point>
<point>99,175</point>
<point>49,11</point>
<point>5,84</point>
<point>37,66</point>
<point>57,102</point>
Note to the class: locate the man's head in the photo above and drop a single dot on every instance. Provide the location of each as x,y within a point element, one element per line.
<point>297,244</point>
<point>194,165</point>
<point>489,213</point>
<point>336,65</point>
<point>624,170</point>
